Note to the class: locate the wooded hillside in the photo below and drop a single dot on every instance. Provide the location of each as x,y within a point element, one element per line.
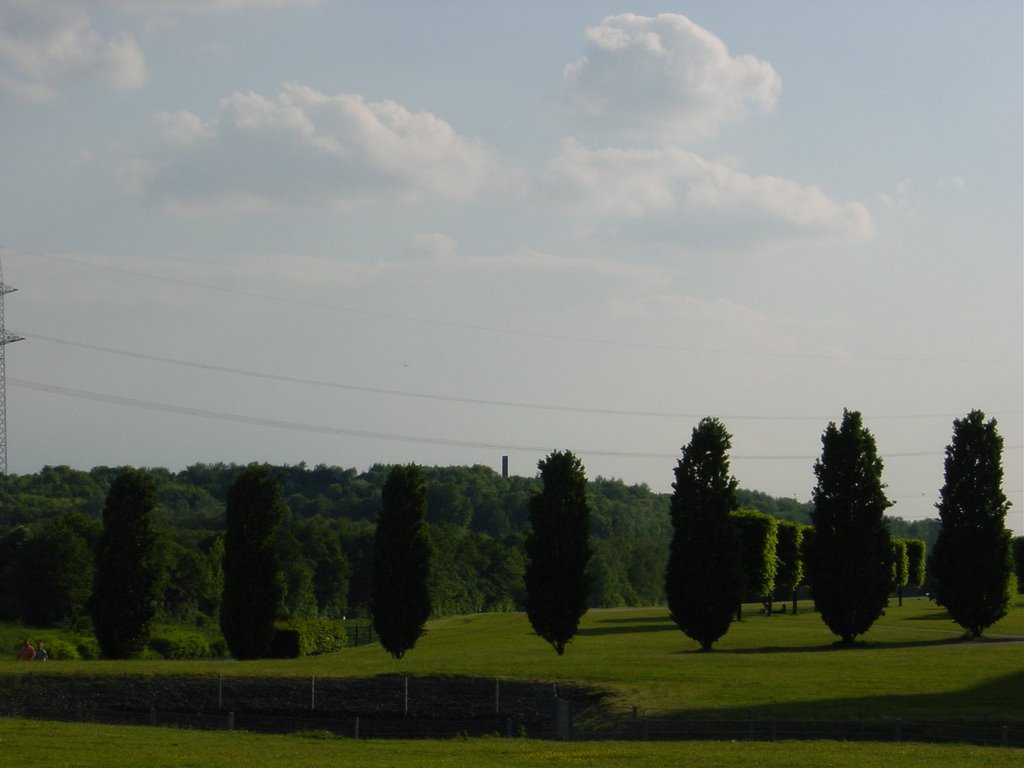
<point>477,521</point>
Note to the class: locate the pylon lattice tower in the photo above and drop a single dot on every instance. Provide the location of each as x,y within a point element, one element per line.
<point>5,339</point>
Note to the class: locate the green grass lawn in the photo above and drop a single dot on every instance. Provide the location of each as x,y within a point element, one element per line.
<point>32,744</point>
<point>914,663</point>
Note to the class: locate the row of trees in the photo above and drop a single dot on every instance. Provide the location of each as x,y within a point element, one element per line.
<point>852,562</point>
<point>318,562</point>
<point>325,541</point>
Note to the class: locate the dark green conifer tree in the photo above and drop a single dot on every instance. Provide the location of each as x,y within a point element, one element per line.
<point>399,589</point>
<point>558,550</point>
<point>50,581</point>
<point>850,558</point>
<point>703,577</point>
<point>252,576</point>
<point>126,579</point>
<point>972,560</point>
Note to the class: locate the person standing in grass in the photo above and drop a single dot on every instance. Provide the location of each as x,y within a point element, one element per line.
<point>41,654</point>
<point>27,652</point>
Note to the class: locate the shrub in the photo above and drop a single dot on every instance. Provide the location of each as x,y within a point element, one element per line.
<point>61,649</point>
<point>175,642</point>
<point>307,637</point>
<point>87,646</point>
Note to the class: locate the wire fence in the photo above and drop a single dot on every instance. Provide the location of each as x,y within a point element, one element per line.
<point>398,707</point>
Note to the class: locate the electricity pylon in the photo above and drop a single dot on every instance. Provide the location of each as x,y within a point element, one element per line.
<point>5,339</point>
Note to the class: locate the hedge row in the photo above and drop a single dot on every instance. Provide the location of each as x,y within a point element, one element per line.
<point>307,637</point>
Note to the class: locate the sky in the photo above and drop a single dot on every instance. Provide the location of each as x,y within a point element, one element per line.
<point>350,233</point>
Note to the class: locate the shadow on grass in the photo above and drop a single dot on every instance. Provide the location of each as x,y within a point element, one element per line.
<point>838,646</point>
<point>864,645</point>
<point>936,615</point>
<point>996,698</point>
<point>626,626</point>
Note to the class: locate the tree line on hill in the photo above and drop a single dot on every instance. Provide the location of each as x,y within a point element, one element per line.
<point>478,528</point>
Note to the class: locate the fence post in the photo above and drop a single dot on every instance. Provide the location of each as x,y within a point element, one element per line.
<point>312,693</point>
<point>1004,738</point>
<point>508,728</point>
<point>497,696</point>
<point>406,708</point>
<point>231,721</point>
<point>220,691</point>
<point>563,720</point>
<point>773,729</point>
<point>899,730</point>
<point>80,710</point>
<point>152,716</point>
<point>356,734</point>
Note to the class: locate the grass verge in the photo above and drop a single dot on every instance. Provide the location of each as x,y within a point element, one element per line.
<point>914,664</point>
<point>51,745</point>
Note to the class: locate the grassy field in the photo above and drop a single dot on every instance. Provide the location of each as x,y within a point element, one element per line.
<point>30,744</point>
<point>914,663</point>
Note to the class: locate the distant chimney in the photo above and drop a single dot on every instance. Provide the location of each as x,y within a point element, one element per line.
<point>504,466</point>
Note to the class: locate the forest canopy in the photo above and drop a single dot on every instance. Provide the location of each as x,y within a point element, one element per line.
<point>477,521</point>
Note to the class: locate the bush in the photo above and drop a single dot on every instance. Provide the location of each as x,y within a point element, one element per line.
<point>62,646</point>
<point>62,649</point>
<point>307,637</point>
<point>177,642</point>
<point>87,646</point>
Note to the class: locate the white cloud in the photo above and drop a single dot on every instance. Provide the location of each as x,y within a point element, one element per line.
<point>689,194</point>
<point>305,148</point>
<point>183,128</point>
<point>664,78</point>
<point>900,198</point>
<point>45,44</point>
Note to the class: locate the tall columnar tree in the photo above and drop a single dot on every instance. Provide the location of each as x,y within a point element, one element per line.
<point>790,572</point>
<point>252,576</point>
<point>972,560</point>
<point>916,554</point>
<point>558,550</point>
<point>50,580</point>
<point>851,555</point>
<point>1018,559</point>
<point>703,578</point>
<point>759,538</point>
<point>900,566</point>
<point>400,594</point>
<point>126,579</point>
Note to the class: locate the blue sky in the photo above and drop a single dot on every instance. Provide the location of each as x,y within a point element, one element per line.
<point>348,233</point>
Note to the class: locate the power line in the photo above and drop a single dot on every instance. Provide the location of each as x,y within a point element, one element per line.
<point>420,439</point>
<point>458,399</point>
<point>512,331</point>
